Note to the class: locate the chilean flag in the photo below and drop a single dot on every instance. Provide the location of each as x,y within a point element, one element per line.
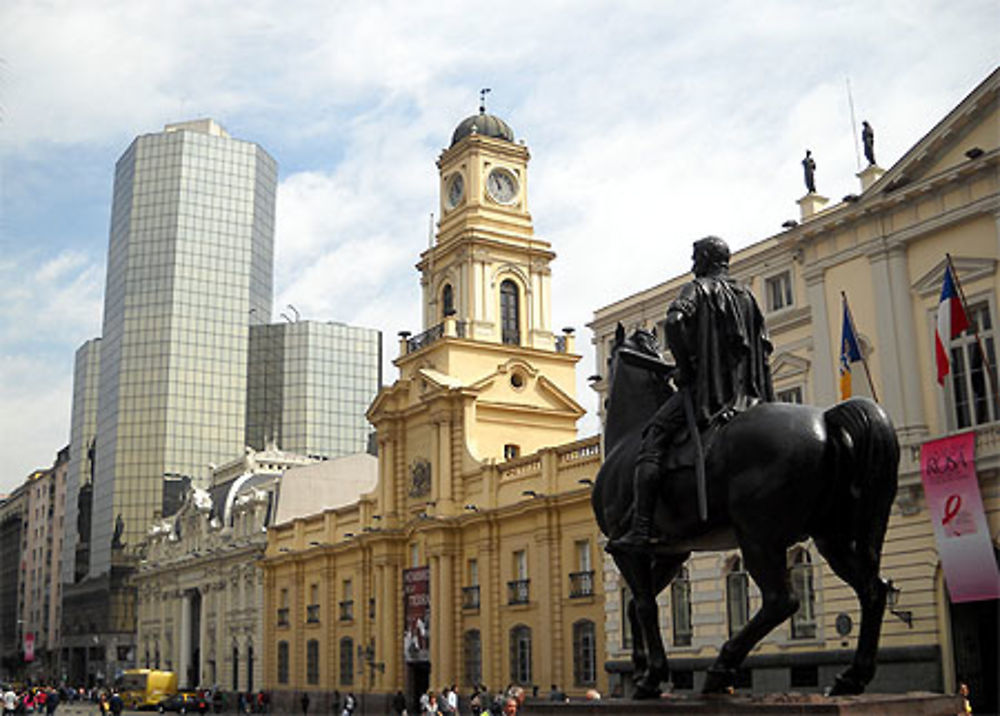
<point>951,321</point>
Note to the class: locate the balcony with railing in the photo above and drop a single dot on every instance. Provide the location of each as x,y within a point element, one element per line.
<point>518,591</point>
<point>449,328</point>
<point>470,597</point>
<point>581,584</point>
<point>283,616</point>
<point>347,610</point>
<point>312,614</point>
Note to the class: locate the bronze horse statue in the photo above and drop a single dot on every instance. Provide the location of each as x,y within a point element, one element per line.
<point>776,475</point>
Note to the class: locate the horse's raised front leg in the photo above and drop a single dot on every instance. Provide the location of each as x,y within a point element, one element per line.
<point>767,567</point>
<point>859,568</point>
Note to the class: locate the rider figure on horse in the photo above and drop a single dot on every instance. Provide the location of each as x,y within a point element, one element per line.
<point>715,331</point>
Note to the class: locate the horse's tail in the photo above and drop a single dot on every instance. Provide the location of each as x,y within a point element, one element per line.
<point>866,464</point>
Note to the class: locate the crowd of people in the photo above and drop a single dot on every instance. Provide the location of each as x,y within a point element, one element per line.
<point>32,699</point>
<point>481,702</point>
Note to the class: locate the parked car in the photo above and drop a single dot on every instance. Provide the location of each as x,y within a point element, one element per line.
<point>181,703</point>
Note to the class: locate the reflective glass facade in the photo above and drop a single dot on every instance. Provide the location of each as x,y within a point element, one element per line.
<point>189,262</point>
<point>310,384</point>
<point>83,428</point>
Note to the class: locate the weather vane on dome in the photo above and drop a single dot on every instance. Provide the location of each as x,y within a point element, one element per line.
<point>482,99</point>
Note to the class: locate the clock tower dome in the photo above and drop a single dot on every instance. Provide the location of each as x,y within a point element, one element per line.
<point>486,380</point>
<point>486,267</point>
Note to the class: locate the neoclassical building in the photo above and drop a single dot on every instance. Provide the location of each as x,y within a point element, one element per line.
<point>198,587</point>
<point>885,249</point>
<point>472,560</point>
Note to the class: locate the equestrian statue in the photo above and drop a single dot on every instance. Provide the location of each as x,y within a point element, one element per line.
<point>698,456</point>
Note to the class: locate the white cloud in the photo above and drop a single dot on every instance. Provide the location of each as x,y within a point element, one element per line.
<point>650,124</point>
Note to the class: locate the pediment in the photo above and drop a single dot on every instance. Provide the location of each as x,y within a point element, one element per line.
<point>517,384</point>
<point>969,268</point>
<point>972,124</point>
<point>786,365</point>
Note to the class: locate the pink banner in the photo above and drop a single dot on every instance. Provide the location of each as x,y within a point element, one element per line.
<point>948,469</point>
<point>417,613</point>
<point>29,646</point>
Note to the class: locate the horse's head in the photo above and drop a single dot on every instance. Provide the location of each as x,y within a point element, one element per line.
<point>640,341</point>
<point>633,394</point>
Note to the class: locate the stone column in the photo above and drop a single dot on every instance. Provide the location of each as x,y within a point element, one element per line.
<point>438,615</point>
<point>206,597</point>
<point>891,395</point>
<point>386,477</point>
<point>824,392</point>
<point>444,463</point>
<point>184,643</point>
<point>905,343</point>
<point>445,599</point>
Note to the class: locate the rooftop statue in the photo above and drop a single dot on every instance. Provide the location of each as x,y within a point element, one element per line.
<point>809,168</point>
<point>868,140</point>
<point>699,458</point>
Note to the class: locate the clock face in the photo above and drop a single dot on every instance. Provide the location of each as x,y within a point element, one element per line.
<point>502,186</point>
<point>456,187</point>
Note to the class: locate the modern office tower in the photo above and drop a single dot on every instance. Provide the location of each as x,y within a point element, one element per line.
<point>190,256</point>
<point>190,266</point>
<point>80,477</point>
<point>309,386</point>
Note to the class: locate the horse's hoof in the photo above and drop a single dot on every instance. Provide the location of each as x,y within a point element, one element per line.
<point>719,681</point>
<point>846,686</point>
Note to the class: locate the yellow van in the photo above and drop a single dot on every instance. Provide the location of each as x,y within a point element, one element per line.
<point>146,688</point>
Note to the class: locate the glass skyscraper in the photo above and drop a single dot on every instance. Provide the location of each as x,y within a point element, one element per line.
<point>79,479</point>
<point>190,257</point>
<point>310,384</point>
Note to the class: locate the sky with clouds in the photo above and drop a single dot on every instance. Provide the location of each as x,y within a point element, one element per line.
<point>650,124</point>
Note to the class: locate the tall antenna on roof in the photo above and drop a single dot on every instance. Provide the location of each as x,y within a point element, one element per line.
<point>482,99</point>
<point>854,124</point>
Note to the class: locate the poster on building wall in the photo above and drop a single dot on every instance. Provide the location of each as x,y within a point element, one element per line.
<point>948,471</point>
<point>29,646</point>
<point>417,614</point>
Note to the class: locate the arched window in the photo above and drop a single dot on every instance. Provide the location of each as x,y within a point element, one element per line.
<point>312,661</point>
<point>800,576</point>
<point>250,667</point>
<point>510,323</point>
<point>447,300</point>
<point>584,653</point>
<point>346,661</point>
<point>737,596</point>
<point>680,608</point>
<point>520,655</point>
<point>282,662</point>
<point>473,648</point>
<point>236,666</point>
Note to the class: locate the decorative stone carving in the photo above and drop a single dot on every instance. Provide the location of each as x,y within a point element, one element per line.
<point>420,478</point>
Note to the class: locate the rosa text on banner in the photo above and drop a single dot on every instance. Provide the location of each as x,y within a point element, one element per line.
<point>948,471</point>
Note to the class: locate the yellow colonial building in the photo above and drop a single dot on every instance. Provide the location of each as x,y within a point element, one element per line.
<point>883,248</point>
<point>473,560</point>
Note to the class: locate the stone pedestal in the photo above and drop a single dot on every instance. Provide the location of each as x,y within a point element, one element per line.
<point>869,175</point>
<point>811,204</point>
<point>909,704</point>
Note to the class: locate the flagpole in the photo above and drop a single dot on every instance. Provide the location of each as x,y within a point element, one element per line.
<point>864,360</point>
<point>975,331</point>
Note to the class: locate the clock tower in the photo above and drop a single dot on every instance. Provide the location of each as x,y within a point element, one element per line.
<point>486,266</point>
<point>486,379</point>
